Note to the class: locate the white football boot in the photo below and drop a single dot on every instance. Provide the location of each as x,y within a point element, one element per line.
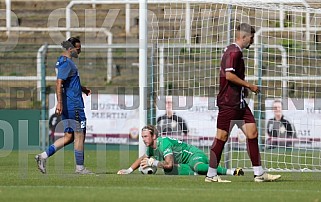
<point>215,179</point>
<point>265,177</point>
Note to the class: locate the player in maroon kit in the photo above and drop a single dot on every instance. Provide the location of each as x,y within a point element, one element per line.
<point>233,109</point>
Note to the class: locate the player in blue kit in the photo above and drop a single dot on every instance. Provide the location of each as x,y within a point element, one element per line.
<point>70,106</point>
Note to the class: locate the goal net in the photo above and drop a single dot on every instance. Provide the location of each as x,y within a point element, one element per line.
<point>187,40</point>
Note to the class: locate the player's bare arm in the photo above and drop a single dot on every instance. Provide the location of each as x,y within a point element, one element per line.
<point>168,163</point>
<point>235,79</point>
<point>59,106</point>
<point>85,90</point>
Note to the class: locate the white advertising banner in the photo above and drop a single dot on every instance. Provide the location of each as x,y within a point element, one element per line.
<point>199,114</point>
<point>114,119</point>
<point>110,115</point>
<point>304,115</point>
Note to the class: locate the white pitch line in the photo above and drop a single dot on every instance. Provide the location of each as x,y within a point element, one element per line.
<point>167,189</point>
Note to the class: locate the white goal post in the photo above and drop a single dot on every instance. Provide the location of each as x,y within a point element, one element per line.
<point>284,61</point>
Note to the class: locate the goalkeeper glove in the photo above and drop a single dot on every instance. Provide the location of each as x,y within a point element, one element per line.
<point>125,171</point>
<point>149,162</point>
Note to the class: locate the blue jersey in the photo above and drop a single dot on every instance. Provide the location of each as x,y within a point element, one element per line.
<point>71,90</point>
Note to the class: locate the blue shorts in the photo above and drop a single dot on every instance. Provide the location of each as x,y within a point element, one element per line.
<point>74,120</point>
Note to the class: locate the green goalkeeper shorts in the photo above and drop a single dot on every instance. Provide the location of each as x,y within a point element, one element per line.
<point>197,158</point>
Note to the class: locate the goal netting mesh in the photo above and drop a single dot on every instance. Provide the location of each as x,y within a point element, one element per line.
<point>186,42</point>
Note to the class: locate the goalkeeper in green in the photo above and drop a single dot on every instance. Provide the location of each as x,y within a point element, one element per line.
<point>173,156</point>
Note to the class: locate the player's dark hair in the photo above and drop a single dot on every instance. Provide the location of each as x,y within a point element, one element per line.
<point>70,43</point>
<point>152,129</point>
<point>244,27</point>
<point>73,41</point>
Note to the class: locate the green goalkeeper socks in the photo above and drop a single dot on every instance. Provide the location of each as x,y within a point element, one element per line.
<point>202,168</point>
<point>221,170</point>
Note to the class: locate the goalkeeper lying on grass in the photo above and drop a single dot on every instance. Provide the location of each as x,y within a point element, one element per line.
<point>173,156</point>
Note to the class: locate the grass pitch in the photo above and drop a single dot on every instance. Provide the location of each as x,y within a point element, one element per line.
<point>21,181</point>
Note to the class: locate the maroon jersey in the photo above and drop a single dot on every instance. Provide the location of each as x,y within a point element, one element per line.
<point>231,95</point>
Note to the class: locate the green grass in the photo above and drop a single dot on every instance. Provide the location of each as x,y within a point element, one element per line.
<point>21,181</point>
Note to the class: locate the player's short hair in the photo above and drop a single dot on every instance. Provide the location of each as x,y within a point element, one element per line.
<point>152,129</point>
<point>244,27</point>
<point>74,40</point>
<point>277,101</point>
<point>70,43</point>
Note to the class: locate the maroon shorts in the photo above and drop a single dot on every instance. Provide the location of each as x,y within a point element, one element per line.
<point>227,118</point>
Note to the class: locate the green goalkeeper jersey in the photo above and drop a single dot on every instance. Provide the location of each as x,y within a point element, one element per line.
<point>181,151</point>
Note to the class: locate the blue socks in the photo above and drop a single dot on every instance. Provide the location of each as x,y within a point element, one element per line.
<point>79,156</point>
<point>51,150</point>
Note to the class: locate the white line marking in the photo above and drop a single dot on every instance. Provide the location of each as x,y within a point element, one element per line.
<point>157,188</point>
